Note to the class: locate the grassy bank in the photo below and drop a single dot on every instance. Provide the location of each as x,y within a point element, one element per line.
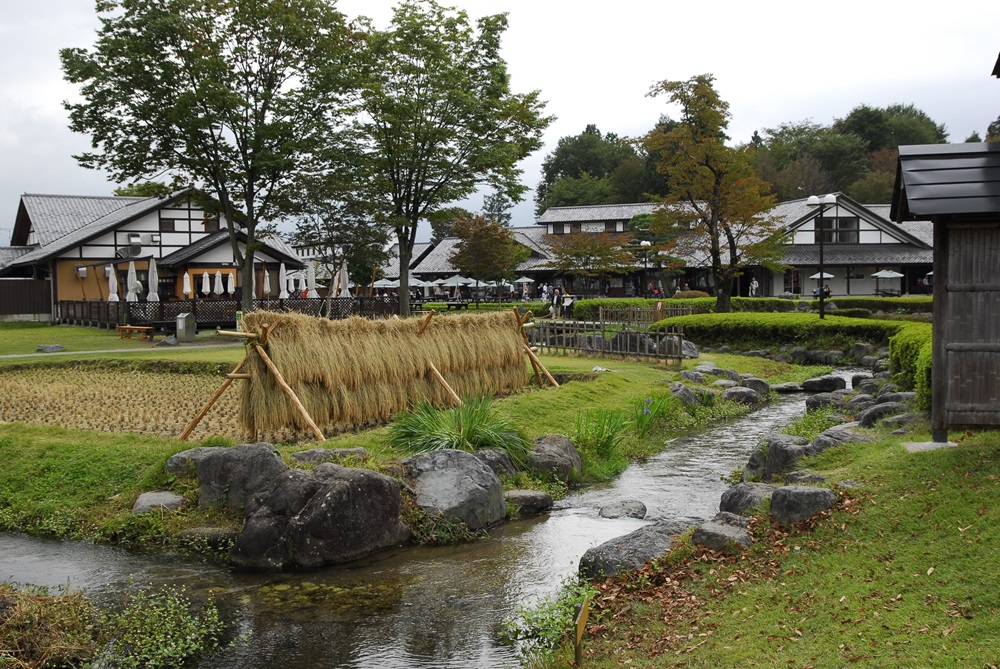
<point>902,573</point>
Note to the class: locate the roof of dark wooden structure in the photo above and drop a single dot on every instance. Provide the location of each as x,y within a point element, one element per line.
<point>996,68</point>
<point>946,179</point>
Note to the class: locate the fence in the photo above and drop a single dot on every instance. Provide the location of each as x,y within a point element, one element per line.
<point>603,339</point>
<point>213,313</point>
<point>633,315</point>
<point>24,297</point>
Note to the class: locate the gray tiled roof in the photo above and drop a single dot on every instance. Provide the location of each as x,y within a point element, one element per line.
<point>9,254</point>
<point>947,179</point>
<point>858,254</point>
<point>272,244</point>
<point>437,260</point>
<point>134,208</point>
<point>597,212</point>
<point>391,268</point>
<point>55,216</point>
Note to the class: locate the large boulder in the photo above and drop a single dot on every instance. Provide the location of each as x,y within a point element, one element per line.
<point>785,388</point>
<point>529,502</point>
<point>185,463</point>
<point>457,485</point>
<point>837,435</point>
<point>724,532</point>
<point>774,454</point>
<point>759,386</point>
<point>631,508</point>
<point>318,455</point>
<point>229,476</point>
<point>554,455</point>
<point>327,515</point>
<point>870,416</point>
<point>630,551</point>
<point>742,395</point>
<point>496,459</point>
<point>687,396</point>
<point>792,504</point>
<point>745,497</point>
<point>824,384</point>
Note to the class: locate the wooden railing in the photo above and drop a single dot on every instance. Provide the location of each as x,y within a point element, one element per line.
<point>641,315</point>
<point>213,313</point>
<point>604,339</point>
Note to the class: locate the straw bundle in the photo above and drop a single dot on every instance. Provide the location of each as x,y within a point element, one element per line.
<point>354,372</point>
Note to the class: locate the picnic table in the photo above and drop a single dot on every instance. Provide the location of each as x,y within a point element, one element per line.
<point>143,331</point>
<point>887,292</point>
<point>456,304</point>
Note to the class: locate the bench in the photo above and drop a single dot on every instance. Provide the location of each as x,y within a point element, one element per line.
<point>456,305</point>
<point>887,292</point>
<point>143,331</point>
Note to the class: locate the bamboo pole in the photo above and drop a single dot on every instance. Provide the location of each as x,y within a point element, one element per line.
<point>427,321</point>
<point>524,338</point>
<point>288,391</point>
<point>232,333</point>
<point>234,376</point>
<point>538,362</point>
<point>208,405</point>
<point>437,375</point>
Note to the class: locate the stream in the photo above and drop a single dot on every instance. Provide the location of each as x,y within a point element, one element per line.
<point>414,606</point>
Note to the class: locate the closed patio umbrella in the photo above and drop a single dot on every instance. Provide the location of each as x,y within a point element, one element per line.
<point>267,282</point>
<point>302,283</point>
<point>113,285</point>
<point>132,283</point>
<point>282,282</point>
<point>311,280</point>
<point>230,282</point>
<point>154,282</point>
<point>206,284</point>
<point>217,288</point>
<point>186,284</point>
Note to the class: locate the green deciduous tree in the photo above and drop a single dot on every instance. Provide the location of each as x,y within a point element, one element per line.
<point>442,220</point>
<point>993,131</point>
<point>591,255</point>
<point>486,250</point>
<point>222,95</point>
<point>438,117</point>
<point>715,199</point>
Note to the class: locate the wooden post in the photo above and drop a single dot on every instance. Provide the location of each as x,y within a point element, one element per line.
<point>208,405</point>
<point>531,354</point>
<point>437,375</point>
<point>520,324</point>
<point>288,391</point>
<point>427,321</point>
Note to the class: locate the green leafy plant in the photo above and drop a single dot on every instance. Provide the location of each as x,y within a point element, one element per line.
<point>155,630</point>
<point>473,426</point>
<point>600,431</point>
<point>540,627</point>
<point>651,410</point>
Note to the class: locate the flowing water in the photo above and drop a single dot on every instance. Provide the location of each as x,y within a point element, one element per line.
<point>413,607</point>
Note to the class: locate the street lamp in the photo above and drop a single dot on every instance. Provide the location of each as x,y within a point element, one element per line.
<point>645,244</point>
<point>821,202</point>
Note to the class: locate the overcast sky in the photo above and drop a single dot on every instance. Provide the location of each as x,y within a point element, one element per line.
<point>774,62</point>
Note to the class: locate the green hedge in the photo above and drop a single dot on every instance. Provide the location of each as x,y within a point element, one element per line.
<point>911,304</point>
<point>746,331</point>
<point>910,360</point>
<point>587,309</point>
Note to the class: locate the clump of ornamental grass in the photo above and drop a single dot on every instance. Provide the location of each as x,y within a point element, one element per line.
<point>473,426</point>
<point>42,627</point>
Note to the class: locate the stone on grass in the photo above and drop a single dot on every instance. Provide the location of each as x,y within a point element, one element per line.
<point>229,476</point>
<point>837,435</point>
<point>746,396</point>
<point>759,386</point>
<point>790,387</point>
<point>722,533</point>
<point>793,504</point>
<point>687,396</point>
<point>50,348</point>
<point>555,456</point>
<point>871,416</point>
<point>457,485</point>
<point>169,340</point>
<point>157,501</point>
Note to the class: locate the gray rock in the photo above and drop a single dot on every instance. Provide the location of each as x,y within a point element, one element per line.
<point>724,383</point>
<point>185,463</point>
<point>869,361</point>
<point>824,384</point>
<point>694,377</point>
<point>327,515</point>
<point>630,551</point>
<point>229,476</point>
<point>689,350</point>
<point>529,502</point>
<point>779,453</point>
<point>742,395</point>
<point>742,498</point>
<point>554,455</point>
<point>837,435</point>
<point>793,504</point>
<point>316,455</point>
<point>867,386</point>
<point>803,476</point>
<point>759,353</point>
<point>821,400</point>
<point>857,379</point>
<point>731,519</point>
<point>457,485</point>
<point>834,357</point>
<point>862,349</point>
<point>687,396</point>
<point>816,357</point>
<point>862,400</point>
<point>498,460</point>
<point>785,388</point>
<point>895,397</point>
<point>156,501</point>
<point>630,508</point>
<point>870,416</point>
<point>759,386</point>
<point>887,388</point>
<point>169,340</point>
<point>905,419</point>
<point>720,537</point>
<point>50,348</point>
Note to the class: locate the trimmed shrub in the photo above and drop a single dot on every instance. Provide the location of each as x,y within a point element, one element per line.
<point>923,373</point>
<point>854,313</point>
<point>904,353</point>
<point>911,304</point>
<point>689,294</point>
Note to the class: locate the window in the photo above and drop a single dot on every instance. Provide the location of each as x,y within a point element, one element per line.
<point>843,230</point>
<point>610,226</point>
<point>211,225</point>
<point>557,228</point>
<point>168,225</point>
<point>793,281</point>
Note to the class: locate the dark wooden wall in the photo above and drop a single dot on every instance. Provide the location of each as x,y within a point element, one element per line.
<point>25,296</point>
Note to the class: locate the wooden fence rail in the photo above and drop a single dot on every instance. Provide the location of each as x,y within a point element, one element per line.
<point>641,315</point>
<point>603,339</point>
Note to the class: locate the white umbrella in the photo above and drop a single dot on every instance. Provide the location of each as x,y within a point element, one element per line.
<point>186,285</point>
<point>385,283</point>
<point>887,274</point>
<point>267,282</point>
<point>302,283</point>
<point>311,280</point>
<point>154,281</point>
<point>343,281</point>
<point>824,275</point>
<point>282,282</point>
<point>132,283</point>
<point>456,280</point>
<point>206,284</point>
<point>931,273</point>
<point>217,288</point>
<point>230,282</point>
<point>113,285</point>
<point>524,279</point>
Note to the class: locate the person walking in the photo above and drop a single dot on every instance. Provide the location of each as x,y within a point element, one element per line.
<point>753,287</point>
